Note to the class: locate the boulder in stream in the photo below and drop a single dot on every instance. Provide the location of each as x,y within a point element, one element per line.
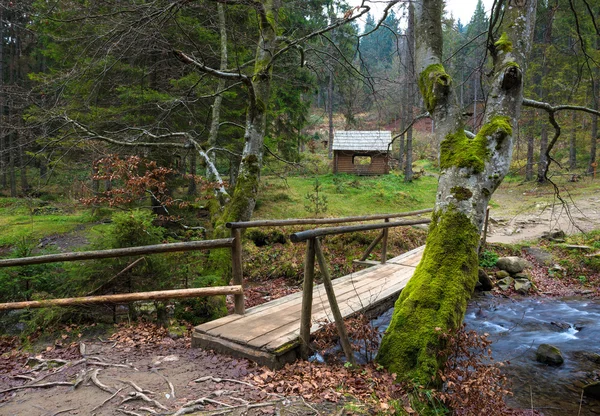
<point>592,390</point>
<point>513,264</point>
<point>522,286</point>
<point>505,283</point>
<point>549,354</point>
<point>484,279</point>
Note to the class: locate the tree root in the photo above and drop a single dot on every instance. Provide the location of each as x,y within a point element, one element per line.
<point>107,400</point>
<point>34,386</point>
<point>136,387</point>
<point>222,380</point>
<point>171,387</point>
<point>94,378</point>
<point>136,395</point>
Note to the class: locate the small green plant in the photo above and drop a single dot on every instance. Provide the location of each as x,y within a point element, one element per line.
<point>582,279</point>
<point>488,259</point>
<point>316,202</point>
<point>338,185</point>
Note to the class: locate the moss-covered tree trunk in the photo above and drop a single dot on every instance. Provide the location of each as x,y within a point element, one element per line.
<point>436,297</point>
<point>244,195</point>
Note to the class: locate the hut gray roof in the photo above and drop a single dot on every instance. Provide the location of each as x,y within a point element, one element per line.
<point>362,140</point>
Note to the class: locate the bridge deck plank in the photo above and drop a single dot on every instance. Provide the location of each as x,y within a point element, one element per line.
<point>268,333</point>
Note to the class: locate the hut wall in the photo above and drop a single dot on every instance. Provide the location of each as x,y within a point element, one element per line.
<point>344,163</point>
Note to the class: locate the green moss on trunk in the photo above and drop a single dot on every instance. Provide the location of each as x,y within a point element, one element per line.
<point>457,150</point>
<point>434,300</point>
<point>434,84</point>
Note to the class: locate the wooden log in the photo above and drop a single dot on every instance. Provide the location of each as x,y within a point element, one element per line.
<point>335,309</point>
<point>307,294</point>
<point>119,252</point>
<point>384,243</point>
<point>314,221</point>
<point>126,297</point>
<point>371,246</point>
<point>236,268</point>
<point>319,232</point>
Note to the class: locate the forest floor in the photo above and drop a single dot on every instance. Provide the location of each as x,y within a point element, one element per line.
<point>143,369</point>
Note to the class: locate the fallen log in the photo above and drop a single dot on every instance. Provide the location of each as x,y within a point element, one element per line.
<point>127,297</point>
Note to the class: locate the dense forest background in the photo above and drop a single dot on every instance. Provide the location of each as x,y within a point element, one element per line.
<point>80,82</point>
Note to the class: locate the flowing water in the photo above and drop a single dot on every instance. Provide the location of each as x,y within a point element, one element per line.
<point>518,326</point>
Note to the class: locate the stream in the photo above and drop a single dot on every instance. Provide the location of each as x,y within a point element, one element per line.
<point>517,327</point>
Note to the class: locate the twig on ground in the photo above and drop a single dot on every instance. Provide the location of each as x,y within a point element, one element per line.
<point>129,412</point>
<point>150,410</point>
<point>24,377</point>
<point>63,411</point>
<point>94,378</point>
<point>107,400</point>
<point>136,395</point>
<point>222,380</point>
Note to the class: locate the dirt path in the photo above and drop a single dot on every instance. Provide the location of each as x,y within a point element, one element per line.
<point>171,376</point>
<point>521,214</point>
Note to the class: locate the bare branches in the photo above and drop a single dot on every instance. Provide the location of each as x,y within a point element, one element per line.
<point>554,109</point>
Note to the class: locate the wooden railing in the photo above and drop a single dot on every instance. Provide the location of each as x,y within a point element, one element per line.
<point>236,290</point>
<point>234,243</point>
<point>314,250</point>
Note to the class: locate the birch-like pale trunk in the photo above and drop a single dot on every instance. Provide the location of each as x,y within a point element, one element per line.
<point>216,108</point>
<point>436,297</point>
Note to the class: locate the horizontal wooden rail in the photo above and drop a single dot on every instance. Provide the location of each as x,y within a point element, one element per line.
<point>119,252</point>
<point>318,232</point>
<point>127,297</point>
<point>313,221</point>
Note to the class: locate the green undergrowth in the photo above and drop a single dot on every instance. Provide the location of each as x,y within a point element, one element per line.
<point>35,219</point>
<point>347,195</point>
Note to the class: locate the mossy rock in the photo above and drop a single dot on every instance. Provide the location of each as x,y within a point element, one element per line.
<point>549,354</point>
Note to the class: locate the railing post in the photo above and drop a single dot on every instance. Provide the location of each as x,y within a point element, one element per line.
<point>384,243</point>
<point>307,294</point>
<point>236,268</point>
<point>335,309</point>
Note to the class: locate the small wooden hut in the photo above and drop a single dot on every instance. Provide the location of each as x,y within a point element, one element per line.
<point>361,152</point>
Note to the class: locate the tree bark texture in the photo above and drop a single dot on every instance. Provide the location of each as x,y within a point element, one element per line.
<point>529,165</point>
<point>436,297</point>
<point>216,109</point>
<point>410,99</point>
<point>573,144</point>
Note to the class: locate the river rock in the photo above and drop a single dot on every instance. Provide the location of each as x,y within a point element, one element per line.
<point>512,264</point>
<point>522,286</point>
<point>505,283</point>
<point>554,235</point>
<point>549,354</point>
<point>592,390</point>
<point>541,256</point>
<point>486,282</point>
<point>501,274</point>
<point>521,275</point>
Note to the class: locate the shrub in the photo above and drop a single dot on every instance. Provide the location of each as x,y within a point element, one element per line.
<point>488,259</point>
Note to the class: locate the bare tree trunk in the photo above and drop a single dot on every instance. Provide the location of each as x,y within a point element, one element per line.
<point>11,164</point>
<point>543,162</point>
<point>435,299</point>
<point>410,69</point>
<point>2,119</point>
<point>330,113</point>
<point>245,193</point>
<point>594,138</point>
<point>529,166</point>
<point>192,188</point>
<point>216,109</point>
<point>573,144</point>
<point>23,170</point>
<point>401,151</point>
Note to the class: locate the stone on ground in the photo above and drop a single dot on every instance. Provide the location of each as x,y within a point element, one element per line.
<point>513,264</point>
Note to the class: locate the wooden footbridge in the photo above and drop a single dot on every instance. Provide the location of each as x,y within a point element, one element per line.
<point>279,331</point>
<point>270,333</point>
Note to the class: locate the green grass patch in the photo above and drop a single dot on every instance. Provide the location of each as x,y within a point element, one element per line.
<point>346,195</point>
<point>30,219</point>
